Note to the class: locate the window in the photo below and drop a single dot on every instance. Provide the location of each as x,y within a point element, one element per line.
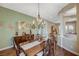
<point>70,27</point>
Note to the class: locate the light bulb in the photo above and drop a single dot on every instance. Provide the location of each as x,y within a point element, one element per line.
<point>33,22</point>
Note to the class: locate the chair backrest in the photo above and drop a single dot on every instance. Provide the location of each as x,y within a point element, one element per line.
<point>19,39</point>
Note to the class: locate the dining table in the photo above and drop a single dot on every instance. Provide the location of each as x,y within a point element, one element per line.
<point>32,48</point>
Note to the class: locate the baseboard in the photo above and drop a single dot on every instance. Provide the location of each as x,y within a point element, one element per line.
<point>6,48</point>
<point>69,50</point>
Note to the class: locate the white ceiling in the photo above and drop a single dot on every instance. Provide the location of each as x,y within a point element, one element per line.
<point>48,11</point>
<point>70,12</point>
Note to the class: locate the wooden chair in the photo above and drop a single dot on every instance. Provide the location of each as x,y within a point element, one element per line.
<point>45,51</point>
<point>52,45</point>
<point>17,41</point>
<point>20,40</point>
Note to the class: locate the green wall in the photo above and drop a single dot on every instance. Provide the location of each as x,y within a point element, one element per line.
<point>8,19</point>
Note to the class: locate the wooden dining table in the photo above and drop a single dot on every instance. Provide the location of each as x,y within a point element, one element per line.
<point>33,50</point>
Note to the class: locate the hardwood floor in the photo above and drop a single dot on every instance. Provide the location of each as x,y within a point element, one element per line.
<point>59,52</point>
<point>8,52</point>
<point>62,52</point>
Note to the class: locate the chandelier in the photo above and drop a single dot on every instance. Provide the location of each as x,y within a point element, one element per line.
<point>38,22</point>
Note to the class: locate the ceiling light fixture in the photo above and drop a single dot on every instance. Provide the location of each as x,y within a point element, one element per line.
<point>38,22</point>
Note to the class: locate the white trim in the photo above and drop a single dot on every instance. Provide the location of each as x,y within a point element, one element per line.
<point>69,50</point>
<point>6,48</point>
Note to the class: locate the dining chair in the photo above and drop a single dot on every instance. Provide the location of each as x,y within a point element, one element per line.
<point>17,40</point>
<point>45,50</point>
